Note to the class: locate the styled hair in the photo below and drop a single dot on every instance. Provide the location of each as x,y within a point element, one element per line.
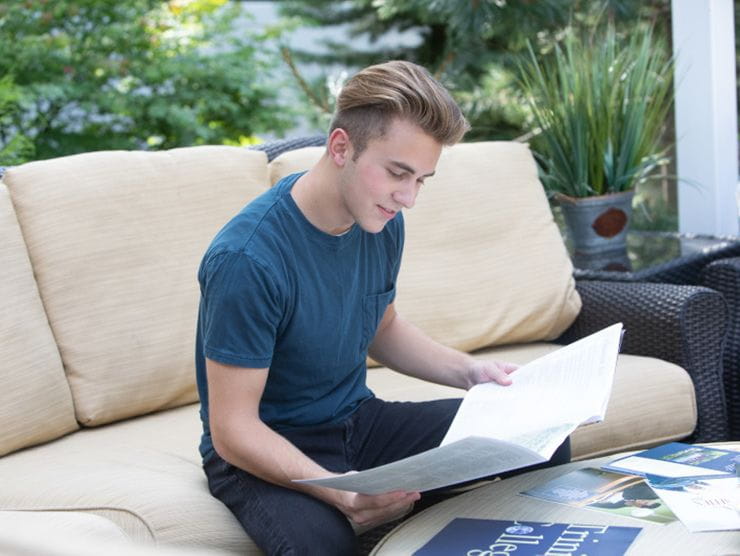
<point>371,99</point>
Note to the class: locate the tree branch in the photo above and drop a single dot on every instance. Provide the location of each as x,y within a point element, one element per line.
<point>321,104</point>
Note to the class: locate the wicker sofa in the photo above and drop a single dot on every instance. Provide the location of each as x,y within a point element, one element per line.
<point>97,393</point>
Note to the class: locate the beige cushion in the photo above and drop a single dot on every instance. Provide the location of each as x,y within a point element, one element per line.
<point>640,413</point>
<point>144,475</point>
<point>35,525</point>
<point>35,401</point>
<point>484,262</point>
<point>75,534</point>
<point>115,239</point>
<point>294,161</point>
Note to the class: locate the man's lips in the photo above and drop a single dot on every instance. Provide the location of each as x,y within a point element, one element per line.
<point>386,212</point>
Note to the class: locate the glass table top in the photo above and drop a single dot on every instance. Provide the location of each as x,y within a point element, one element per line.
<point>647,250</point>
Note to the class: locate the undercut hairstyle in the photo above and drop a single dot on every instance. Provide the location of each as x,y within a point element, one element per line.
<point>371,99</point>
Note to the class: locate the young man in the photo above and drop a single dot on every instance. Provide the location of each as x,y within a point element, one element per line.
<point>296,290</point>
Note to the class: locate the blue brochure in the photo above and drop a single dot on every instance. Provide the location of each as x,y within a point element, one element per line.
<point>479,537</point>
<point>677,459</point>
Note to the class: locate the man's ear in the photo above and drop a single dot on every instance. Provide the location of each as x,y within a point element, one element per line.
<point>339,147</point>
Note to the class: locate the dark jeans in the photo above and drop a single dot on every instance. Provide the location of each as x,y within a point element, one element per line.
<point>287,522</point>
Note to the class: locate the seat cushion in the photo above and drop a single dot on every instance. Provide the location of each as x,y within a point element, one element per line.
<point>35,400</point>
<point>484,263</point>
<point>651,402</point>
<point>75,534</point>
<point>144,475</point>
<point>115,239</point>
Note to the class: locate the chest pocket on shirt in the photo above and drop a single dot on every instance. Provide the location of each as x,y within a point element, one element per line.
<point>373,309</point>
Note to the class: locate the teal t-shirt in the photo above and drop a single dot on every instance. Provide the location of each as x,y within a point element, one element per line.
<point>278,293</point>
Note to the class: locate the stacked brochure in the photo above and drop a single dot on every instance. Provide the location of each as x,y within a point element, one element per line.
<point>698,483</point>
<point>500,428</point>
<point>677,459</point>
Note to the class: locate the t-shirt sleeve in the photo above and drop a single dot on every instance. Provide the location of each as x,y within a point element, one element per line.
<point>240,310</point>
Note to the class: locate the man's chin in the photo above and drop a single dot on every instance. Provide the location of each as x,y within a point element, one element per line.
<point>372,227</point>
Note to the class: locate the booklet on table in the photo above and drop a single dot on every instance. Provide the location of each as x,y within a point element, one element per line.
<point>702,504</point>
<point>604,491</point>
<point>677,459</point>
<point>528,538</point>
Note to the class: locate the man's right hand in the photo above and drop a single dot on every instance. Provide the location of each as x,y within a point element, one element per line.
<point>242,439</point>
<point>369,510</point>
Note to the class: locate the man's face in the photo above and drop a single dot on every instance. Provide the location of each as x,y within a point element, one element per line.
<point>387,175</point>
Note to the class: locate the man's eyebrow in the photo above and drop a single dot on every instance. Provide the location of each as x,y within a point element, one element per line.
<point>409,169</point>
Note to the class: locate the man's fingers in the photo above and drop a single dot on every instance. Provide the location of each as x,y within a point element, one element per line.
<point>380,508</point>
<point>509,367</point>
<point>502,375</point>
<point>386,499</point>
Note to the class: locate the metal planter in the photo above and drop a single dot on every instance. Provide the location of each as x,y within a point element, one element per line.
<point>597,224</point>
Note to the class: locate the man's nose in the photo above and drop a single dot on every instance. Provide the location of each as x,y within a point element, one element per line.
<point>406,195</point>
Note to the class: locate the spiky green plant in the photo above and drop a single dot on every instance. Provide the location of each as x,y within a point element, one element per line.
<point>600,101</point>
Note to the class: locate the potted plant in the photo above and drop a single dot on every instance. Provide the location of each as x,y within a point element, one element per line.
<point>600,101</point>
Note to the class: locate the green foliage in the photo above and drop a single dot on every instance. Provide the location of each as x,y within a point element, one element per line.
<point>471,46</point>
<point>601,102</point>
<point>135,74</point>
<point>15,148</point>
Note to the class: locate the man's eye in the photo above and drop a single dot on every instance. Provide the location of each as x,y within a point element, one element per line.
<point>396,174</point>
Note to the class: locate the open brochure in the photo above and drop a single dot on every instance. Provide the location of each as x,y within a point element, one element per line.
<point>500,428</point>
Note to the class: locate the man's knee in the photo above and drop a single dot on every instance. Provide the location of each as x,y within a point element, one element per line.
<point>279,520</point>
<point>333,537</point>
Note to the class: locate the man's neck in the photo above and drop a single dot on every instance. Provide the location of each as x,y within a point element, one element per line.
<point>317,195</point>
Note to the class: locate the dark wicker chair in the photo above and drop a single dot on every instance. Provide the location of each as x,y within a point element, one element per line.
<point>719,270</point>
<point>724,276</point>
<point>682,324</point>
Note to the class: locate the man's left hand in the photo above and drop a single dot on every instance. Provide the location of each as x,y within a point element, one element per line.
<point>490,371</point>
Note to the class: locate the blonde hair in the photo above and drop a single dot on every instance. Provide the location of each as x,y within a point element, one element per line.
<point>371,99</point>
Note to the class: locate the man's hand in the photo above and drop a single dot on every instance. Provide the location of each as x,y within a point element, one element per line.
<point>480,371</point>
<point>369,510</point>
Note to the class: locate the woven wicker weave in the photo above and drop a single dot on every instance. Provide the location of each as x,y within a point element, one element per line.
<point>275,148</point>
<point>681,324</point>
<point>724,276</point>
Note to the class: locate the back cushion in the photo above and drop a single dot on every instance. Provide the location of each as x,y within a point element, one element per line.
<point>35,401</point>
<point>115,239</point>
<point>484,262</point>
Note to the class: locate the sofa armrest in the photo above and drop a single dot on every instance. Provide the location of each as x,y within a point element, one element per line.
<point>723,275</point>
<point>684,325</point>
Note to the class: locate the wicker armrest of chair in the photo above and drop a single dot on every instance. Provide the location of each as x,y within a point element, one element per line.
<point>682,324</point>
<point>275,148</point>
<point>723,275</point>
